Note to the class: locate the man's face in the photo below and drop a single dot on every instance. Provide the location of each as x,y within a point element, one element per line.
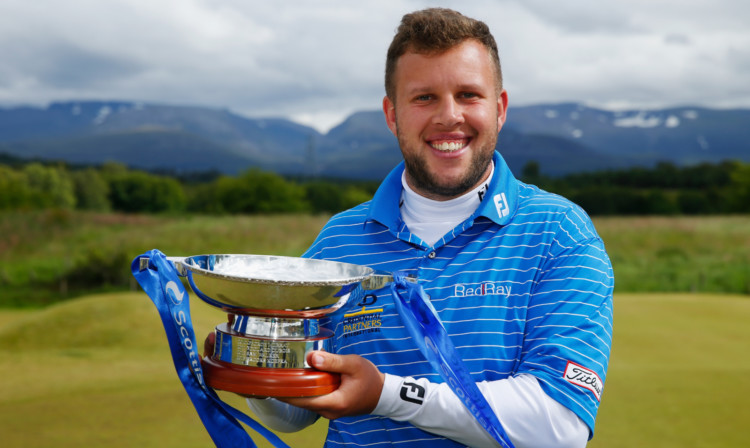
<point>446,115</point>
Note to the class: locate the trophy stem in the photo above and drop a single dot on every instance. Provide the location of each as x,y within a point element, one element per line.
<point>265,351</point>
<point>275,327</point>
<point>268,365</point>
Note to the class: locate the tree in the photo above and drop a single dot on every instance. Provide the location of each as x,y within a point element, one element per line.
<point>136,191</point>
<point>325,197</point>
<point>204,198</point>
<point>531,172</point>
<point>255,191</point>
<point>91,190</point>
<point>49,186</point>
<point>14,189</point>
<point>740,188</point>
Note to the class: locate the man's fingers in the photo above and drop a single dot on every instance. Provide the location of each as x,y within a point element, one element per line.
<point>357,394</point>
<point>330,362</point>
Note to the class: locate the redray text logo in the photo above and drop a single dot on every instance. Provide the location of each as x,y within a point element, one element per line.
<point>481,289</point>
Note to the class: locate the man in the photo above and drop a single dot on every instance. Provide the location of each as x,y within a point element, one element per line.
<point>518,276</point>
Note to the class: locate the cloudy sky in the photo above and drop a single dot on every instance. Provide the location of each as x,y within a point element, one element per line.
<point>318,61</point>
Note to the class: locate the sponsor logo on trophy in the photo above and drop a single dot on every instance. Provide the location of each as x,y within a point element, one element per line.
<point>274,306</point>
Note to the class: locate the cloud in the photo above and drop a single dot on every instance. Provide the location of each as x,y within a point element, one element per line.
<point>319,61</point>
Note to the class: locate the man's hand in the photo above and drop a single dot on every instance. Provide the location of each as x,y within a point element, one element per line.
<point>359,392</point>
<point>361,384</point>
<point>210,342</point>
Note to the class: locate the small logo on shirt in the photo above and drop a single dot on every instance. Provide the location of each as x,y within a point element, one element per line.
<point>482,191</point>
<point>583,377</point>
<point>362,321</point>
<point>412,392</point>
<point>501,204</point>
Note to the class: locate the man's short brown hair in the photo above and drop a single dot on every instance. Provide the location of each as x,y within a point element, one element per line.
<point>434,31</point>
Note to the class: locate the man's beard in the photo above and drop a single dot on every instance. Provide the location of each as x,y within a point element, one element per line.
<point>427,182</point>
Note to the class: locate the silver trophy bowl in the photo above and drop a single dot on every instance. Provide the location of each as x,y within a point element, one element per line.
<point>275,285</point>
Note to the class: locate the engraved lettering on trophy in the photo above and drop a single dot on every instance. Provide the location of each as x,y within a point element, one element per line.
<point>262,353</point>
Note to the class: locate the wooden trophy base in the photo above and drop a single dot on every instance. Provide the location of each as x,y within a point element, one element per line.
<point>267,382</point>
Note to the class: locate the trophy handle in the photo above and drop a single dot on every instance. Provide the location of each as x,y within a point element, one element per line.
<point>177,261</point>
<point>381,279</point>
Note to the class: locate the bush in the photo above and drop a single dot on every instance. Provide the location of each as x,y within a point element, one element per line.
<point>98,268</point>
<point>136,191</point>
<point>14,190</point>
<point>49,187</point>
<point>259,192</point>
<point>91,190</point>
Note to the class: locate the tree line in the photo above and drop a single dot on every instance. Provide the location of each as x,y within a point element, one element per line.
<point>114,187</point>
<point>665,189</point>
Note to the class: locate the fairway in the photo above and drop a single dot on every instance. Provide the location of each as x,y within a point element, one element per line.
<point>97,372</point>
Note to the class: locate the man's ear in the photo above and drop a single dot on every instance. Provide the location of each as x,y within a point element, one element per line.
<point>389,110</point>
<point>502,108</point>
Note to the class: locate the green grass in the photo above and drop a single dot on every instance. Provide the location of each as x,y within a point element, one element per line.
<point>679,374</point>
<point>679,254</point>
<point>39,250</point>
<point>97,372</point>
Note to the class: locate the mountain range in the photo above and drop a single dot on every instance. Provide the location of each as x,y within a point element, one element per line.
<point>561,138</point>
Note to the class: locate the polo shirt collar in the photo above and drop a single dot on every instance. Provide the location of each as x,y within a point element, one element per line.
<point>501,200</point>
<point>385,206</point>
<point>499,203</point>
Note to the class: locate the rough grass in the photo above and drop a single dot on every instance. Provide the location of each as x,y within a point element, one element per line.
<point>39,249</point>
<point>48,256</point>
<point>97,372</point>
<point>679,254</point>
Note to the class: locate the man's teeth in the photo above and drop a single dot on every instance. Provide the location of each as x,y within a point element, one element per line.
<point>448,146</point>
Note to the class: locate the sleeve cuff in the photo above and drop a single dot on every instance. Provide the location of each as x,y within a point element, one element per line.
<point>389,401</point>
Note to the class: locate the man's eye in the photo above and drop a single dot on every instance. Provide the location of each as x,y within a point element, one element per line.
<point>424,97</point>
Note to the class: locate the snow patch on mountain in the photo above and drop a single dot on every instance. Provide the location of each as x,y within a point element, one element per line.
<point>639,120</point>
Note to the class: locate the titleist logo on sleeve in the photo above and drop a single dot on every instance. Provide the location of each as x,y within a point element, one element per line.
<point>583,377</point>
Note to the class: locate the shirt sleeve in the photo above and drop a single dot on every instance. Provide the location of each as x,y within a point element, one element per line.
<point>569,323</point>
<point>529,416</point>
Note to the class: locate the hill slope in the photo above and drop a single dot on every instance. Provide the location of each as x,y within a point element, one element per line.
<point>562,138</point>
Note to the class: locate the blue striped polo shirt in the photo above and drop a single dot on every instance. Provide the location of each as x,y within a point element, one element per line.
<point>524,285</point>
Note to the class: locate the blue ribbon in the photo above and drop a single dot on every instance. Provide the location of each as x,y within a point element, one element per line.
<point>424,326</point>
<point>163,286</point>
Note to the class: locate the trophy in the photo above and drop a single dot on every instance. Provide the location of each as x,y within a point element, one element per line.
<point>274,305</point>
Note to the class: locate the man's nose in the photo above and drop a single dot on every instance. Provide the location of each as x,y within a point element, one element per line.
<point>449,112</point>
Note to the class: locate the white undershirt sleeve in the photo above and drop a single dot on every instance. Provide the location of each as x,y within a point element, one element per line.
<point>528,415</point>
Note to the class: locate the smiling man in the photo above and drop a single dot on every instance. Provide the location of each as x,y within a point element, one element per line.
<point>518,276</point>
<point>446,110</point>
